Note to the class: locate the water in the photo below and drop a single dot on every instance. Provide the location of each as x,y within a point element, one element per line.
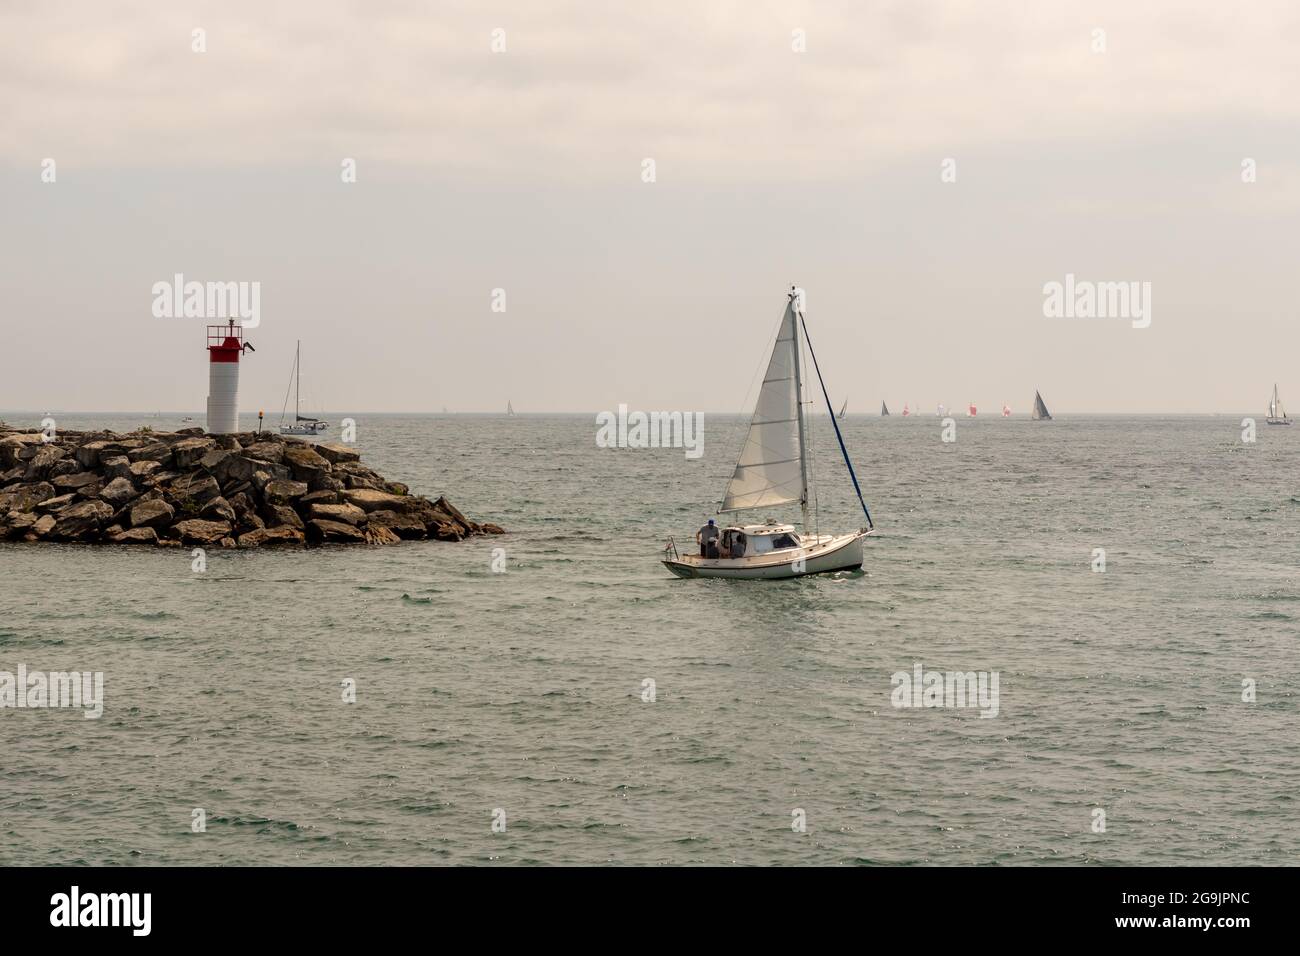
<point>522,691</point>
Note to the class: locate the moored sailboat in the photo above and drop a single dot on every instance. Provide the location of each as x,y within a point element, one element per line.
<point>302,424</point>
<point>773,469</point>
<point>1276,413</point>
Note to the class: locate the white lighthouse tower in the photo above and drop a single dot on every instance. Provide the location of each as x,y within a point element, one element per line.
<point>225,345</point>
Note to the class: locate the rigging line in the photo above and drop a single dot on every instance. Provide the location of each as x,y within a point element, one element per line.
<point>844,451</point>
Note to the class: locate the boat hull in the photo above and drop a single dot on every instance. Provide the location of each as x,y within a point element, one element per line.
<point>831,553</point>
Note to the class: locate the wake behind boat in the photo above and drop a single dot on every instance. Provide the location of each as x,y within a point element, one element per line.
<point>773,469</point>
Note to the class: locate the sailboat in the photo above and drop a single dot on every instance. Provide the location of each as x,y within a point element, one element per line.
<point>510,409</point>
<point>1006,410</point>
<point>1276,413</point>
<point>941,411</point>
<point>906,411</point>
<point>884,409</point>
<point>844,408</point>
<point>1040,410</point>
<point>773,469</point>
<point>970,410</point>
<point>302,424</point>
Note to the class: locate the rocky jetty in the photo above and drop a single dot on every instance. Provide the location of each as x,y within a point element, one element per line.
<point>186,488</point>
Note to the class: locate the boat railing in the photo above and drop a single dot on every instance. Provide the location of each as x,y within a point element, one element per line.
<point>670,549</point>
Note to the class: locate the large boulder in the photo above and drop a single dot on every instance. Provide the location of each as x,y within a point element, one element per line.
<point>136,536</point>
<point>43,525</point>
<point>154,513</point>
<point>45,458</point>
<point>304,462</point>
<point>75,482</point>
<point>82,521</point>
<point>321,531</point>
<point>348,514</point>
<point>157,451</point>
<point>271,451</point>
<point>11,445</point>
<point>88,453</point>
<point>277,515</point>
<point>50,505</point>
<point>140,470</point>
<point>198,531</point>
<point>25,497</point>
<point>270,536</point>
<point>281,492</point>
<point>190,451</point>
<point>336,452</point>
<point>404,526</point>
<point>369,499</point>
<point>219,509</point>
<point>118,492</point>
<point>119,466</point>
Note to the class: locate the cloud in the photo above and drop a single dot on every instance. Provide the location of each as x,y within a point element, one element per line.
<point>586,90</point>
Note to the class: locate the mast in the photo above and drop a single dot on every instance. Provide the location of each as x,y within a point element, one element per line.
<point>798,401</point>
<point>297,378</point>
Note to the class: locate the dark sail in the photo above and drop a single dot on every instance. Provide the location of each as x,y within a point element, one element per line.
<point>1040,410</point>
<point>884,409</point>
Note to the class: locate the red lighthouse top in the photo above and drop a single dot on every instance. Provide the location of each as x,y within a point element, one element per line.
<point>225,342</point>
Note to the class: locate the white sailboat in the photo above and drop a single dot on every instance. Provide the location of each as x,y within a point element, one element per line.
<point>1276,413</point>
<point>773,470</point>
<point>510,409</point>
<point>301,424</point>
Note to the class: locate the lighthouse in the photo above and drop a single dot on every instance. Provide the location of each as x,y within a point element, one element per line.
<point>225,345</point>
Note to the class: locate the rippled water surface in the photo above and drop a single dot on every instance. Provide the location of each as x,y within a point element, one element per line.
<point>522,691</point>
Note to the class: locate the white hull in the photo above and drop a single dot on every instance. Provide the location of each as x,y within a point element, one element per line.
<point>303,429</point>
<point>831,553</point>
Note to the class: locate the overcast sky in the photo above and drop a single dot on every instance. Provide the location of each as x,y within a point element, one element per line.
<point>524,170</point>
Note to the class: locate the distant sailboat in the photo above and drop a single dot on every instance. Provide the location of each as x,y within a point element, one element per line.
<point>302,424</point>
<point>1276,413</point>
<point>774,469</point>
<point>844,408</point>
<point>906,411</point>
<point>970,410</point>
<point>1040,410</point>
<point>510,409</point>
<point>884,409</point>
<point>941,411</point>
<point>1006,410</point>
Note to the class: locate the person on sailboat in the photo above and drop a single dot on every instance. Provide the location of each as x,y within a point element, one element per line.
<point>707,537</point>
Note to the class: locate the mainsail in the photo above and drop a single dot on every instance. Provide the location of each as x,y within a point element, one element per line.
<point>884,409</point>
<point>1040,410</point>
<point>844,408</point>
<point>1275,407</point>
<point>768,471</point>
